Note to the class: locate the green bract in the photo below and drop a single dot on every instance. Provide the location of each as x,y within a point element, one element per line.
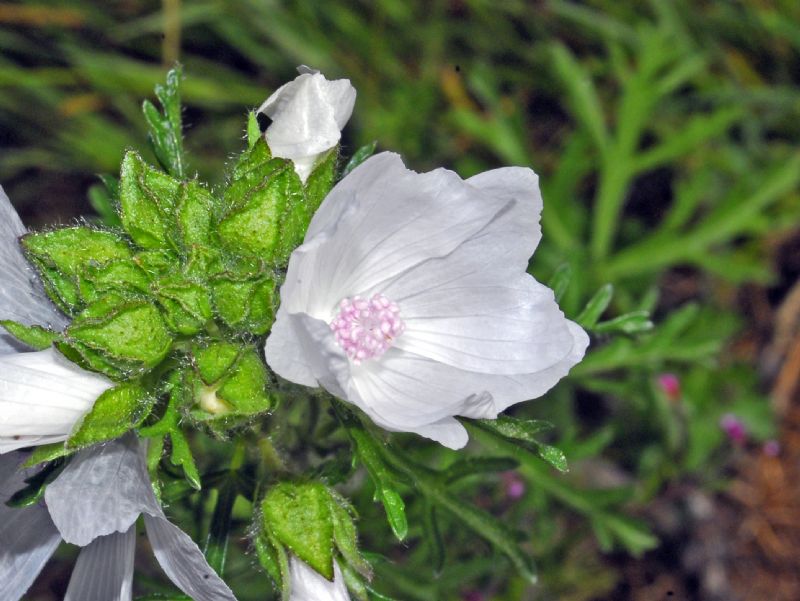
<point>171,303</point>
<point>312,522</point>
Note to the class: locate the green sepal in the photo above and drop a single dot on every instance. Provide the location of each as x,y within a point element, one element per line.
<point>194,214</point>
<point>186,304</point>
<point>256,155</point>
<point>215,360</point>
<point>253,130</point>
<point>246,299</point>
<point>345,534</point>
<point>127,329</point>
<point>47,452</point>
<point>299,212</point>
<point>147,200</point>
<point>273,557</point>
<point>93,360</point>
<point>123,276</point>
<point>242,392</point>
<point>181,456</point>
<point>299,517</point>
<point>36,337</point>
<point>115,412</point>
<point>155,262</point>
<point>63,257</point>
<point>256,205</point>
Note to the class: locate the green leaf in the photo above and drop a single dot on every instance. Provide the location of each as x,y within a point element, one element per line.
<point>629,323</point>
<point>553,456</point>
<point>47,452</point>
<point>116,411</point>
<point>512,427</point>
<point>126,329</point>
<point>581,94</point>
<point>147,202</point>
<point>433,537</point>
<point>299,517</point>
<point>165,126</point>
<point>360,155</point>
<point>36,337</point>
<point>369,454</point>
<point>596,306</point>
<point>560,280</point>
<point>103,198</point>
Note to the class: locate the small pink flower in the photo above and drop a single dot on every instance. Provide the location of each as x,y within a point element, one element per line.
<point>734,428</point>
<point>473,596</point>
<point>670,385</point>
<point>514,485</point>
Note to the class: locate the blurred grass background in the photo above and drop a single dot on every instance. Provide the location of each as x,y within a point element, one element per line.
<point>665,135</point>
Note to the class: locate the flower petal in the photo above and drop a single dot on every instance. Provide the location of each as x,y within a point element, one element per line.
<point>104,570</point>
<point>27,535</point>
<point>22,297</point>
<point>103,490</point>
<point>381,220</point>
<point>183,562</point>
<point>285,354</point>
<point>492,328</point>
<point>42,397</point>
<point>409,393</point>
<point>309,585</point>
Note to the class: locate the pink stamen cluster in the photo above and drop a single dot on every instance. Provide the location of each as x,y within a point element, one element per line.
<point>365,329</point>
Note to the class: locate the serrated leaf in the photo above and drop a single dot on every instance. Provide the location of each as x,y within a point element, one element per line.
<point>299,517</point>
<point>36,337</point>
<point>596,306</point>
<point>115,412</point>
<point>165,126</point>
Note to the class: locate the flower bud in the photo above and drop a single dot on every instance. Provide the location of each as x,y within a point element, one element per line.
<point>307,115</point>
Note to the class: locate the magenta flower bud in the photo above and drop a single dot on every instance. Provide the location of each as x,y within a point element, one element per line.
<point>670,385</point>
<point>734,428</point>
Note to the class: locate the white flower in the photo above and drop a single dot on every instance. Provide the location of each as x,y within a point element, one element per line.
<point>308,115</point>
<point>308,585</point>
<point>410,299</point>
<point>42,397</point>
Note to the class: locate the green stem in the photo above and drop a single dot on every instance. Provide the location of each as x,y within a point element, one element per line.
<point>216,550</point>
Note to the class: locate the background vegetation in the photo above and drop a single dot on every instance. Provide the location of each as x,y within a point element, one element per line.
<point>665,135</point>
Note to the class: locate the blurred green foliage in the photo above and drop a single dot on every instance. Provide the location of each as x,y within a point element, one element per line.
<point>665,135</point>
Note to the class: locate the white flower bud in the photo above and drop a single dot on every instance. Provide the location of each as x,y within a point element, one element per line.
<point>308,115</point>
<point>308,585</point>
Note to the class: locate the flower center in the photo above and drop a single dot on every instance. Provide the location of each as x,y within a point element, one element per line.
<point>365,329</point>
